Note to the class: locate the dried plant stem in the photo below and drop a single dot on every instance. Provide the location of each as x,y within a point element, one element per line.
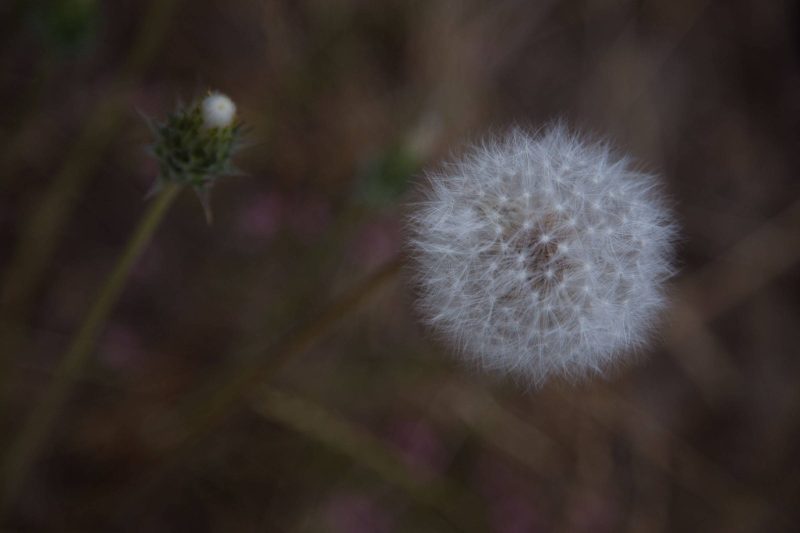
<point>252,369</point>
<point>689,468</point>
<point>449,501</point>
<point>694,347</point>
<point>26,446</point>
<point>256,369</point>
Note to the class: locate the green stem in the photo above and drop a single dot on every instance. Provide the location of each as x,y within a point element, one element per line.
<point>26,446</point>
<point>42,227</point>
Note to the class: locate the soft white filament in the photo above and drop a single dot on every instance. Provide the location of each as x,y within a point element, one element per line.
<point>541,255</point>
<point>218,111</point>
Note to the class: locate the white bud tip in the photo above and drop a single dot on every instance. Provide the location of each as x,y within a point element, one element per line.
<point>218,111</point>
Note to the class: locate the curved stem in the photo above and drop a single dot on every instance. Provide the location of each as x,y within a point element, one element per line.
<point>26,446</point>
<point>257,367</point>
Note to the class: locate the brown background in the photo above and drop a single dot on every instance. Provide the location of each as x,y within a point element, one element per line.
<point>345,102</point>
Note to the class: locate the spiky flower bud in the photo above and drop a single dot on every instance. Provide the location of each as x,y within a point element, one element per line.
<point>196,144</point>
<point>541,255</point>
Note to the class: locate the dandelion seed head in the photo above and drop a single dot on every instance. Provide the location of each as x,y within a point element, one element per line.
<point>542,255</point>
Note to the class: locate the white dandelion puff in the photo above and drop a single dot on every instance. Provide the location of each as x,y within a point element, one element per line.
<point>542,255</point>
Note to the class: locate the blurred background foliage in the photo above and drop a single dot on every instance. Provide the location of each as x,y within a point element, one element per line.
<point>267,373</point>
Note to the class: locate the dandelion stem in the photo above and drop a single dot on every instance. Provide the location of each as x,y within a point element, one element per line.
<point>26,446</point>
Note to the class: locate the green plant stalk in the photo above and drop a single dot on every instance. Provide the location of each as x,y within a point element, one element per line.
<point>41,228</point>
<point>26,446</point>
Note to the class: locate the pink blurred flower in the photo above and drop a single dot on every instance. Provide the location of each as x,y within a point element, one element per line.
<point>515,514</point>
<point>348,512</point>
<point>591,512</point>
<point>309,217</point>
<point>510,498</point>
<point>419,444</point>
<point>261,217</point>
<point>121,348</point>
<point>376,243</point>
